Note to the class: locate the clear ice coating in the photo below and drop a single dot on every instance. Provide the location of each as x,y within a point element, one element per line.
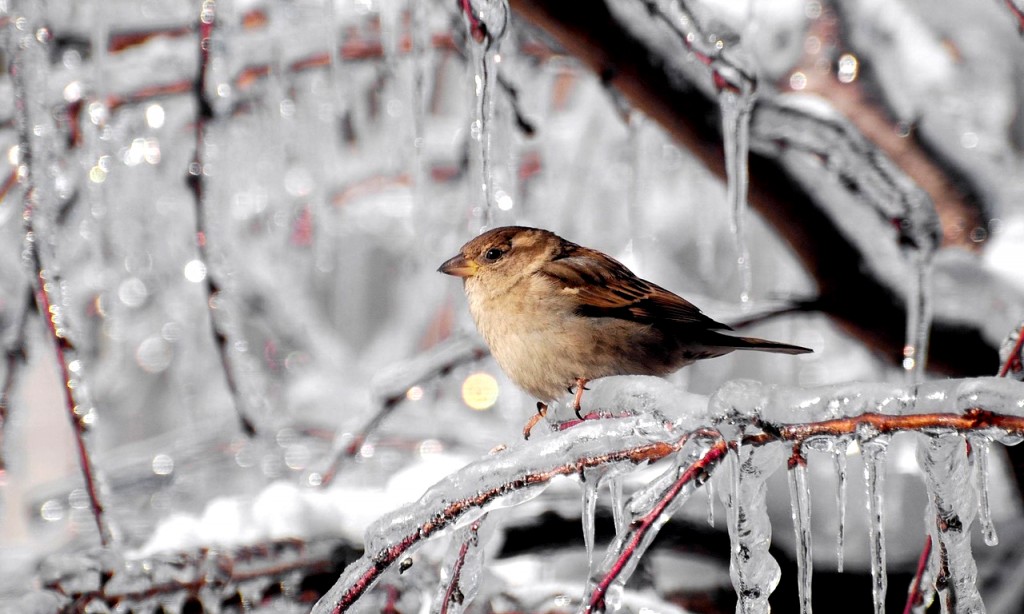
<point>873,451</point>
<point>487,23</point>
<point>463,566</point>
<point>736,110</point>
<point>952,506</point>
<point>839,458</point>
<point>754,572</point>
<point>646,512</point>
<point>800,500</point>
<point>507,478</point>
<point>980,447</point>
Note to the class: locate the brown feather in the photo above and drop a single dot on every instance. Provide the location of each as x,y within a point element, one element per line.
<point>605,288</point>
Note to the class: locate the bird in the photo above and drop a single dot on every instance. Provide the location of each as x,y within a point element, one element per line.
<point>557,315</point>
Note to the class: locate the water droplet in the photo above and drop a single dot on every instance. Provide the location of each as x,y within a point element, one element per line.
<point>154,354</point>
<point>132,292</point>
<point>155,116</point>
<point>847,68</point>
<point>51,510</point>
<point>195,271</point>
<point>163,464</point>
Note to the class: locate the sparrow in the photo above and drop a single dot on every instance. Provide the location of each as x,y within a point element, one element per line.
<point>556,315</point>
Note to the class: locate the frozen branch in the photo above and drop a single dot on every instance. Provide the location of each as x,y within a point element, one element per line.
<point>986,406</point>
<point>197,180</point>
<point>627,48</point>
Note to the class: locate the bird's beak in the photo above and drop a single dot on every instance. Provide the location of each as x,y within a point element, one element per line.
<point>459,267</point>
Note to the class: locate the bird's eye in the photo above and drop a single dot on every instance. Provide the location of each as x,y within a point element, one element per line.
<point>493,254</point>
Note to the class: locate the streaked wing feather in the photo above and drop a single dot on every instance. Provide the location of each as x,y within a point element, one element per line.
<point>606,288</point>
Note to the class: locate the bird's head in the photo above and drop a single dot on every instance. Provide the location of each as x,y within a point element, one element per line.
<point>500,258</point>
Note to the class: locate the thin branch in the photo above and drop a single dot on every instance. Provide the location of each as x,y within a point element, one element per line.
<point>639,528</point>
<point>46,283</point>
<point>915,595</point>
<point>197,181</point>
<point>452,591</point>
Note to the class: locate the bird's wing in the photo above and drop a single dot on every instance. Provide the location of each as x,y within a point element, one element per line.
<point>606,288</point>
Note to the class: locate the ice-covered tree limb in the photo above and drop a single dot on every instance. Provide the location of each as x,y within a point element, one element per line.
<point>763,414</point>
<point>623,42</point>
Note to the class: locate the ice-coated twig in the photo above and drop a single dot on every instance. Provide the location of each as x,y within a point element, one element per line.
<point>455,593</point>
<point>655,504</point>
<point>785,414</point>
<point>1012,354</point>
<point>40,201</point>
<point>518,473</point>
<point>197,181</point>
<point>139,584</point>
<point>1017,9</point>
<point>915,596</point>
<point>952,507</point>
<point>390,387</point>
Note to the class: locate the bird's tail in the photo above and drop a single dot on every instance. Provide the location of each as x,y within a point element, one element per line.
<point>761,345</point>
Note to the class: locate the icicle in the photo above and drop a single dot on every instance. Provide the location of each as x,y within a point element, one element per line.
<point>709,488</point>
<point>634,211</point>
<point>390,14</point>
<point>420,32</point>
<point>754,572</point>
<point>951,509</point>
<point>617,503</point>
<point>487,24</point>
<point>874,477</point>
<point>980,447</point>
<point>589,488</point>
<point>801,511</point>
<point>919,317</point>
<point>839,457</point>
<point>736,108</point>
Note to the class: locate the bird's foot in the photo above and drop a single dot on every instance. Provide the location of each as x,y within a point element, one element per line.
<point>581,385</point>
<point>542,410</point>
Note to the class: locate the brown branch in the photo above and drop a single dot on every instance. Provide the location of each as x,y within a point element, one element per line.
<point>364,573</point>
<point>46,283</point>
<point>452,592</point>
<point>916,596</point>
<point>377,563</point>
<point>859,302</point>
<point>639,528</point>
<point>197,181</point>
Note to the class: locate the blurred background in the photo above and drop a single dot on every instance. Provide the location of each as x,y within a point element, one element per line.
<point>236,210</point>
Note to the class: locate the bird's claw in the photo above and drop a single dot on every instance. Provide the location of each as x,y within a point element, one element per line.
<point>542,410</point>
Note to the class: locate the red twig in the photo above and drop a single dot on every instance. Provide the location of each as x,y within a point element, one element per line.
<point>196,176</point>
<point>1013,361</point>
<point>377,563</point>
<point>915,596</point>
<point>1018,12</point>
<point>639,528</point>
<point>452,591</point>
<point>45,281</point>
<point>477,28</point>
